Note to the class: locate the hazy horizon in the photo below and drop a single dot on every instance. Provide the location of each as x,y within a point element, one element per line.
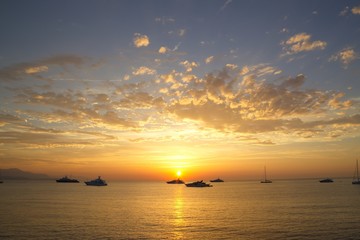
<point>139,90</point>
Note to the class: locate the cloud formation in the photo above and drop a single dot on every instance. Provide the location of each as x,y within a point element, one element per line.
<point>209,59</point>
<point>301,43</point>
<point>162,50</point>
<point>237,99</point>
<point>248,105</point>
<point>144,71</point>
<point>141,40</point>
<point>22,70</point>
<point>345,56</point>
<point>37,69</point>
<point>356,10</point>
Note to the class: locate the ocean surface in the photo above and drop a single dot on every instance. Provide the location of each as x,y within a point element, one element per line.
<point>296,209</point>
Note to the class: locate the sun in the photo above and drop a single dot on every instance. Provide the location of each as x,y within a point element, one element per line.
<point>178,173</point>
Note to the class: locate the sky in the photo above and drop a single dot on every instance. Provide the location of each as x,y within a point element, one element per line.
<point>142,89</point>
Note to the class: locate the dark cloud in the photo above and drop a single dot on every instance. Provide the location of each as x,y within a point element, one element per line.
<point>22,70</point>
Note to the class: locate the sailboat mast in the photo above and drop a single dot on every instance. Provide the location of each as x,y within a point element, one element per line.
<point>265,172</point>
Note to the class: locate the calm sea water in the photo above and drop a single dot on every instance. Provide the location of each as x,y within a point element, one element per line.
<point>303,209</point>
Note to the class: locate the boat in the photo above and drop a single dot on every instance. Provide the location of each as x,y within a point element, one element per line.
<point>217,180</point>
<point>198,184</point>
<point>326,180</point>
<point>67,180</point>
<point>356,179</point>
<point>265,179</point>
<point>96,182</point>
<point>176,181</point>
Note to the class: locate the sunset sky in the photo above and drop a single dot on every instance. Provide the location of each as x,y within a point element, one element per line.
<point>142,89</point>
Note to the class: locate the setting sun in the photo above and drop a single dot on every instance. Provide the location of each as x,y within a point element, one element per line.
<point>178,173</point>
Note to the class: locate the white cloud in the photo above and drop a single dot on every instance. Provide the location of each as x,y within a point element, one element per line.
<point>141,40</point>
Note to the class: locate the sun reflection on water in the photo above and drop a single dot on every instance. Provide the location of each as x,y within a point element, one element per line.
<point>178,213</point>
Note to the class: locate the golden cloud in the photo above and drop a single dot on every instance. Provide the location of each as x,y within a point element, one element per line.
<point>144,71</point>
<point>356,10</point>
<point>301,43</point>
<point>346,56</point>
<point>162,50</point>
<point>141,40</point>
<point>209,59</point>
<point>189,65</point>
<point>37,69</point>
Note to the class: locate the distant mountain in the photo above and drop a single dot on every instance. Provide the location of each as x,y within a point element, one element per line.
<point>14,173</point>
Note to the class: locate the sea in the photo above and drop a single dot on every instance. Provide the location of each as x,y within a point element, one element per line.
<point>284,209</point>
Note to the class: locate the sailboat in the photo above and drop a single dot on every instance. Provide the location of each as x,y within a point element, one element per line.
<point>265,179</point>
<point>356,179</point>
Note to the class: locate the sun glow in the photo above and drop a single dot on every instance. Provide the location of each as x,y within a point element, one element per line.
<point>178,173</point>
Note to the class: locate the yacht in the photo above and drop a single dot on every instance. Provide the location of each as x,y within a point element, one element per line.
<point>96,182</point>
<point>176,181</point>
<point>198,184</point>
<point>326,180</point>
<point>217,180</point>
<point>67,180</point>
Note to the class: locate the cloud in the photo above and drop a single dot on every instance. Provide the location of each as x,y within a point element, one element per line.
<point>345,56</point>
<point>140,100</point>
<point>144,71</point>
<point>209,59</point>
<point>181,32</point>
<point>356,10</point>
<point>8,119</point>
<point>75,107</point>
<point>244,104</point>
<point>189,65</point>
<point>231,66</point>
<point>141,40</point>
<point>227,2</point>
<point>23,70</point>
<point>293,83</point>
<point>345,11</point>
<point>37,69</point>
<point>164,20</point>
<point>35,137</point>
<point>301,43</point>
<point>126,77</point>
<point>63,60</point>
<point>162,50</point>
